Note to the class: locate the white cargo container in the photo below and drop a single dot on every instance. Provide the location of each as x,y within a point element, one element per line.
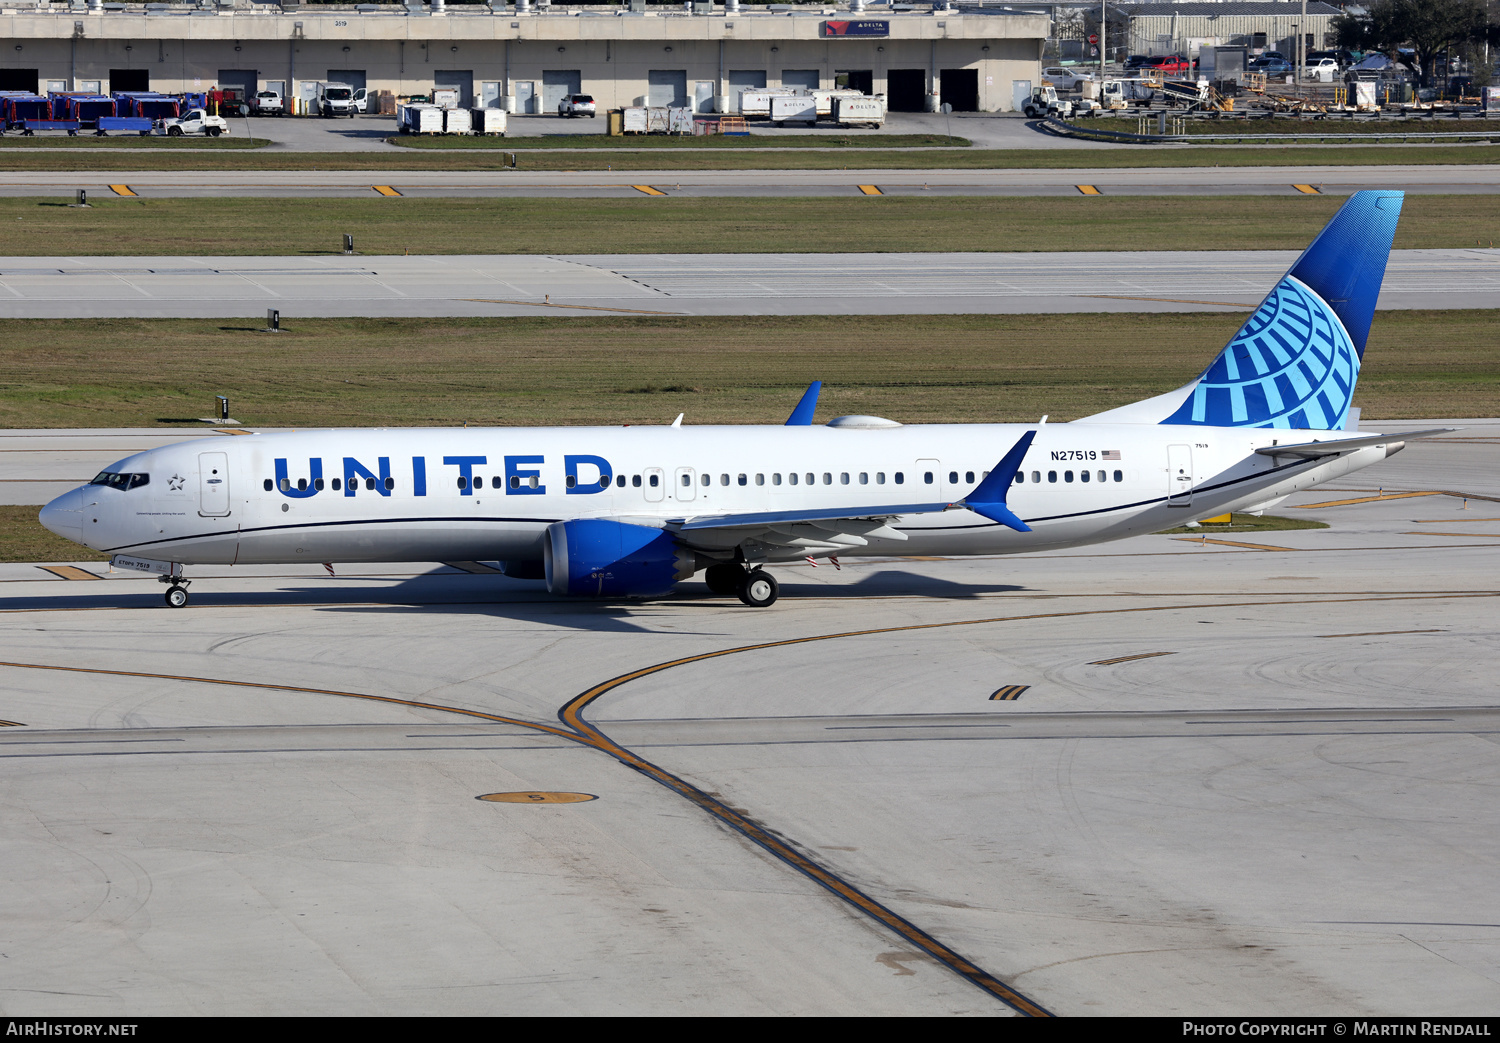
<point>445,97</point>
<point>657,120</point>
<point>419,118</point>
<point>859,111</point>
<point>457,121</point>
<point>794,108</point>
<point>489,121</point>
<point>756,103</point>
<point>634,121</point>
<point>828,97</point>
<point>680,121</point>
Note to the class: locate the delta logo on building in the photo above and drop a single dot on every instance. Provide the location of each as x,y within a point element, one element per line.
<point>860,27</point>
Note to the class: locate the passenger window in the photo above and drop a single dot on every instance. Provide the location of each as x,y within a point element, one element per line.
<point>463,483</point>
<point>390,483</point>
<point>707,479</point>
<point>827,478</point>
<point>337,484</point>
<point>1084,475</point>
<point>879,477</point>
<point>620,480</point>
<point>655,481</point>
<point>968,476</point>
<point>1102,478</point>
<point>1067,476</point>
<point>760,479</point>
<point>635,480</point>
<point>270,485</point>
<point>318,484</point>
<point>776,478</point>
<point>900,478</point>
<point>792,477</point>
<point>572,481</point>
<point>743,480</point>
<point>687,480</point>
<point>1051,476</point>
<point>811,478</point>
<point>927,477</point>
<point>1119,476</point>
<point>1020,477</point>
<point>953,477</point>
<point>723,479</point>
<point>301,483</point>
<point>843,477</point>
<point>864,478</point>
<point>1036,476</point>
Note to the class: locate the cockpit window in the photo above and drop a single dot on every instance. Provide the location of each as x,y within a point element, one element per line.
<point>121,481</point>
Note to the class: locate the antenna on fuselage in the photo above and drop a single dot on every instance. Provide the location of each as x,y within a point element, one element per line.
<point>678,421</point>
<point>1044,419</point>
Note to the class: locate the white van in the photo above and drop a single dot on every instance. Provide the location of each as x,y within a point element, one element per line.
<point>336,99</point>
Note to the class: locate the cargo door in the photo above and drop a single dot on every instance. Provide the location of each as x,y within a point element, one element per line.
<point>461,80</point>
<point>668,87</point>
<point>355,78</point>
<point>686,486</point>
<point>960,88</point>
<point>801,79</point>
<point>1179,476</point>
<point>213,485</point>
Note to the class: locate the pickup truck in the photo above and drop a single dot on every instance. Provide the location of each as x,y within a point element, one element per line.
<point>1044,102</point>
<point>269,103</point>
<point>193,121</point>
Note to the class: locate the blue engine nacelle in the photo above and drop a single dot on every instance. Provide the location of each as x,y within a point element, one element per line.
<point>599,558</point>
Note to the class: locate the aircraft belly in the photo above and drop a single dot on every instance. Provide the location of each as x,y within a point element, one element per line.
<point>395,541</point>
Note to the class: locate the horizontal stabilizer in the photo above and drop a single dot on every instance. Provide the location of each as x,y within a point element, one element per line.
<point>1339,446</point>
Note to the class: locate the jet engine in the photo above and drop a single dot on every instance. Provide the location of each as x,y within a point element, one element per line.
<point>592,557</point>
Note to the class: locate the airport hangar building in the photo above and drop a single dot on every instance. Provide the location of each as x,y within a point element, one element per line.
<point>982,57</point>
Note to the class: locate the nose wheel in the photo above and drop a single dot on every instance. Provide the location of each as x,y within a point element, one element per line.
<point>177,595</point>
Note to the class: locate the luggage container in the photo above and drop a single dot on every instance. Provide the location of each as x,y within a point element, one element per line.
<point>489,121</point>
<point>657,120</point>
<point>147,104</point>
<point>827,99</point>
<point>680,121</point>
<point>19,106</point>
<point>794,108</point>
<point>86,108</point>
<point>458,121</point>
<point>635,119</point>
<point>755,103</point>
<point>421,118</point>
<point>445,97</point>
<point>859,111</point>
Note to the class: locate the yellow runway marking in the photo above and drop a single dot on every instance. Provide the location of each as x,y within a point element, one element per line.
<point>1364,499</point>
<point>871,190</point>
<point>1383,633</point>
<point>575,307</point>
<point>1308,190</point>
<point>11,724</point>
<point>1129,658</point>
<point>386,190</point>
<point>121,190</point>
<point>1230,543</point>
<point>67,572</point>
<point>1088,190</point>
<point>648,190</point>
<point>1010,693</point>
<point>475,567</point>
<point>537,798</point>
<point>231,431</point>
<point>1461,535</point>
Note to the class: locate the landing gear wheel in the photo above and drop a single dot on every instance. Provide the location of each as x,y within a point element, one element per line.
<point>759,589</point>
<point>724,579</point>
<point>176,596</point>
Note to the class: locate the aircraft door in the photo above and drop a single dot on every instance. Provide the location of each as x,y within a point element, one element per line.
<point>213,485</point>
<point>1179,476</point>
<point>929,481</point>
<point>655,484</point>
<point>686,485</point>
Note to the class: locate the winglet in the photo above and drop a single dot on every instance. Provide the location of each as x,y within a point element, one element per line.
<point>988,497</point>
<point>802,416</point>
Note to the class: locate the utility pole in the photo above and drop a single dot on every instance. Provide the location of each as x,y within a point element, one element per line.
<point>1103,34</point>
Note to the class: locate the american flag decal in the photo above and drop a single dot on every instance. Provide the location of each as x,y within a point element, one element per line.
<point>1110,454</point>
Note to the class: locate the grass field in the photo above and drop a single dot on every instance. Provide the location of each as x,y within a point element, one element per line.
<point>16,142</point>
<point>31,227</point>
<point>608,370</point>
<point>1292,125</point>
<point>532,155</point>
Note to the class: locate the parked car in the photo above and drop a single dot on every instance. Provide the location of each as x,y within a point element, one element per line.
<point>1271,66</point>
<point>1065,79</point>
<point>1170,64</point>
<point>269,103</point>
<point>1320,70</point>
<point>576,105</point>
<point>193,121</point>
<point>1137,61</point>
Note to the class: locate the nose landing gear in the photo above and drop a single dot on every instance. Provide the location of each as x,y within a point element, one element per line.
<point>177,595</point>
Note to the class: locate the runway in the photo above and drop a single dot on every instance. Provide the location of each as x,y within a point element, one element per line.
<point>701,284</point>
<point>378,182</point>
<point>1162,776</point>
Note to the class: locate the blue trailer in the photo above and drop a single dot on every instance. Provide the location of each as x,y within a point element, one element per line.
<point>140,124</point>
<point>18,106</point>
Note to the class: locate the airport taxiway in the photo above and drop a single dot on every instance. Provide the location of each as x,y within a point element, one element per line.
<point>702,284</point>
<point>1247,773</point>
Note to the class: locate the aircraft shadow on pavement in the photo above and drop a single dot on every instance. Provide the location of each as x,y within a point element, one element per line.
<point>896,582</point>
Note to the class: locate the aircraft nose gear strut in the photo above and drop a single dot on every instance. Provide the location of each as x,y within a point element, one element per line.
<point>177,595</point>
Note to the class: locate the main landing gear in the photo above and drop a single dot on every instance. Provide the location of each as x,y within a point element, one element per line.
<point>755,587</point>
<point>177,595</point>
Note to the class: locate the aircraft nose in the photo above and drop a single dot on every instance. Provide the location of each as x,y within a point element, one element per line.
<point>64,515</point>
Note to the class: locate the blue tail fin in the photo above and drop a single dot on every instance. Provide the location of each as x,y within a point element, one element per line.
<point>1295,362</point>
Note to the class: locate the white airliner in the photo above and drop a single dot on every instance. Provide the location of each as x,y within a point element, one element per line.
<point>632,511</point>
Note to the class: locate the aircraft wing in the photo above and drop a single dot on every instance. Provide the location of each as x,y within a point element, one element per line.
<point>1339,446</point>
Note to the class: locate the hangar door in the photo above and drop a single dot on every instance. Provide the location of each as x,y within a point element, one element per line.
<point>353,77</point>
<point>806,79</point>
<point>905,89</point>
<point>18,80</point>
<point>668,87</point>
<point>130,79</point>
<point>460,79</point>
<point>742,80</point>
<point>960,88</point>
<point>557,84</point>
<point>247,80</point>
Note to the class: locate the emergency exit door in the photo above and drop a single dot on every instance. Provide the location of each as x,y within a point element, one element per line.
<point>1179,476</point>
<point>213,485</point>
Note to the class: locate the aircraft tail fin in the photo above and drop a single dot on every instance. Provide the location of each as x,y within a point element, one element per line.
<point>1295,361</point>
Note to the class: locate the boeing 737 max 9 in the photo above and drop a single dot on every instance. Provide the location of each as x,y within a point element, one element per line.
<point>631,512</point>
